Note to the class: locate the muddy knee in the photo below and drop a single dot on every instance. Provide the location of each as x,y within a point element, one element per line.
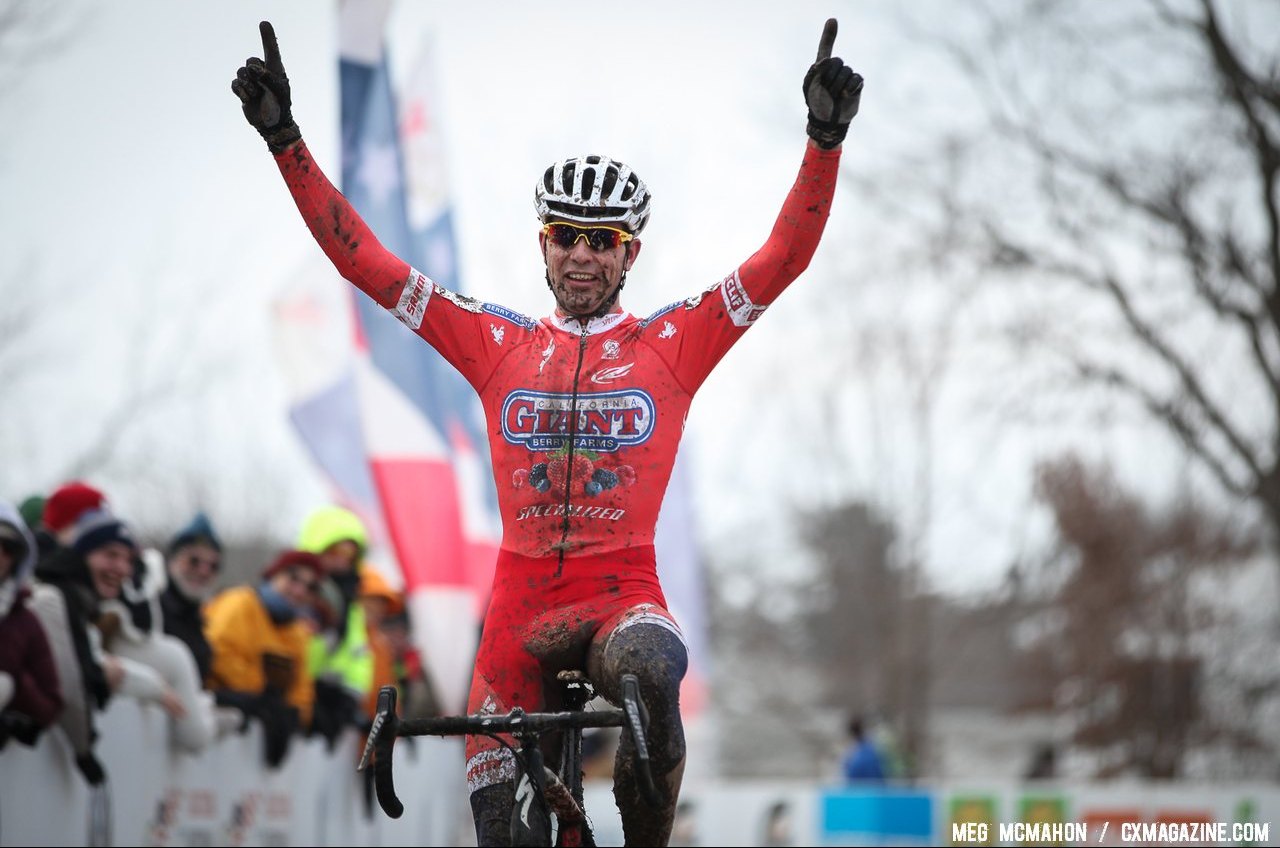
<point>656,655</point>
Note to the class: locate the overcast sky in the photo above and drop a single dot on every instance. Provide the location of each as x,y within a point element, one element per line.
<point>148,224</point>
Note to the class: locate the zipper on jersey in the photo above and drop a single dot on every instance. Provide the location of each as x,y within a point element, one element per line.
<point>563,544</point>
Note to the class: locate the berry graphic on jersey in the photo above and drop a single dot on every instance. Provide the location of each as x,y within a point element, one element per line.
<point>605,478</point>
<point>520,478</point>
<point>562,477</point>
<point>626,475</point>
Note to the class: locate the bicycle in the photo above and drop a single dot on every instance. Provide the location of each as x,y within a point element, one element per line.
<point>558,792</point>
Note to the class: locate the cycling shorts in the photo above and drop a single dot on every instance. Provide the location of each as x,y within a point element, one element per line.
<point>542,619</point>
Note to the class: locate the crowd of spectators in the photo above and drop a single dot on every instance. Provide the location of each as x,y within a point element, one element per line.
<point>88,613</point>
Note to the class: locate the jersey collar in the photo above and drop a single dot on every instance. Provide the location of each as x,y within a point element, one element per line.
<point>594,325</point>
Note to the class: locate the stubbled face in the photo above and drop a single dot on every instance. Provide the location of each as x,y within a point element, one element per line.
<point>109,566</point>
<point>194,569</point>
<point>582,278</point>
<point>340,557</point>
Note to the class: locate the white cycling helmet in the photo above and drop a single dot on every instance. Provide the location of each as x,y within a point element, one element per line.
<point>593,190</point>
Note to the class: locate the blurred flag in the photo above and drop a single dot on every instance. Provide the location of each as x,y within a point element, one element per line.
<point>385,418</point>
<point>675,544</point>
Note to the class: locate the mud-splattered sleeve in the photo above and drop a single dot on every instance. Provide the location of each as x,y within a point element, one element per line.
<point>453,324</point>
<point>345,238</point>
<point>693,335</point>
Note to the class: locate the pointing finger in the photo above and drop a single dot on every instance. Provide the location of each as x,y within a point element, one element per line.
<point>827,40</point>
<point>270,50</point>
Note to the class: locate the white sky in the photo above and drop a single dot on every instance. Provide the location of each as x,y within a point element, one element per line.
<point>139,203</point>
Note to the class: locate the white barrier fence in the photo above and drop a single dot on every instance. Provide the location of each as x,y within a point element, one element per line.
<point>226,796</point>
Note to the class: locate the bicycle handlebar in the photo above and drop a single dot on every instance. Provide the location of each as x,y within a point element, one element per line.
<point>515,722</point>
<point>387,726</point>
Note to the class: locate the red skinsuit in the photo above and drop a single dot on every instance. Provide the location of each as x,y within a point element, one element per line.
<point>630,380</point>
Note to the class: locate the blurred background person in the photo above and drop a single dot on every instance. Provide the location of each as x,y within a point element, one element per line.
<point>65,505</point>
<point>379,602</point>
<point>193,561</point>
<point>260,639</point>
<point>341,659</point>
<point>861,762</point>
<point>32,511</point>
<point>155,668</point>
<point>66,601</point>
<point>776,831</point>
<point>412,677</point>
<point>30,694</point>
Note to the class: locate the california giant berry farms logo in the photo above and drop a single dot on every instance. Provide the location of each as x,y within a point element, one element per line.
<point>606,421</point>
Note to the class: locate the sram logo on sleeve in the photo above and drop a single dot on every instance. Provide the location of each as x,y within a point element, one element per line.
<point>606,421</point>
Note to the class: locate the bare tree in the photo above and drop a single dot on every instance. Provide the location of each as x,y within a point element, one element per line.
<point>1119,168</point>
<point>1123,607</point>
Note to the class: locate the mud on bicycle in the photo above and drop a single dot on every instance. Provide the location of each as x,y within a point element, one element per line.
<point>549,801</point>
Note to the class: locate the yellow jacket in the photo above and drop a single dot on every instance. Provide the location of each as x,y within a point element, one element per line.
<point>240,632</point>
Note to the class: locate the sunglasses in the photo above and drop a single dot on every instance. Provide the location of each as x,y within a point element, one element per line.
<point>299,578</point>
<point>598,238</point>
<point>194,560</point>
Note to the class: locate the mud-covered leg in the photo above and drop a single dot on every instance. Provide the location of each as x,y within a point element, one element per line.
<point>656,654</point>
<point>491,809</point>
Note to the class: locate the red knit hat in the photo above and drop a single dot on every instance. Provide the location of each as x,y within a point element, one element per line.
<point>294,559</point>
<point>68,502</point>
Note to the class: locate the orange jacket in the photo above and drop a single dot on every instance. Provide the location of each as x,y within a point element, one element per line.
<point>240,632</point>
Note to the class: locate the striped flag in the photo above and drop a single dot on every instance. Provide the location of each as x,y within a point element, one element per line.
<point>393,427</point>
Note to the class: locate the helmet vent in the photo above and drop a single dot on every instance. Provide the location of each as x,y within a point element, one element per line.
<point>630,188</point>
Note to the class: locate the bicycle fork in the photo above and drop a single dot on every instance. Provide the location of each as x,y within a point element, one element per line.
<point>530,820</point>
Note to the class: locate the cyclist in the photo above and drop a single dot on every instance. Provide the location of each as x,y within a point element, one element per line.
<point>585,409</point>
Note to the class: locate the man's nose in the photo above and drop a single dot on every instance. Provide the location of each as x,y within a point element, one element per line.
<point>581,250</point>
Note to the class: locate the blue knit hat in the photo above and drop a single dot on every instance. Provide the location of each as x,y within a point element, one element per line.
<point>99,527</point>
<point>200,530</point>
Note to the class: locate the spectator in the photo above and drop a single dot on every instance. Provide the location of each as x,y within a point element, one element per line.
<point>260,642</point>
<point>778,831</point>
<point>30,694</point>
<point>341,660</point>
<point>192,563</point>
<point>861,760</point>
<point>380,602</point>
<point>418,693</point>
<point>1044,762</point>
<point>157,668</point>
<point>65,506</point>
<point>64,600</point>
<point>32,510</point>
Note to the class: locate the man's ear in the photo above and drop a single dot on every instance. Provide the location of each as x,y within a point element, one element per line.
<point>633,250</point>
<point>542,245</point>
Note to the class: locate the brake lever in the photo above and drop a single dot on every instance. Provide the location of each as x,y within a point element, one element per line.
<point>381,741</point>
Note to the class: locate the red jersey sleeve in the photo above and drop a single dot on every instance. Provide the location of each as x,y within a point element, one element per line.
<point>693,335</point>
<point>460,328</point>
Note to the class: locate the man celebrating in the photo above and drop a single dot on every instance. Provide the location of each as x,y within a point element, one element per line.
<point>585,409</point>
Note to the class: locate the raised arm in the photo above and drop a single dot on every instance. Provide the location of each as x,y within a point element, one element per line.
<point>832,91</point>
<point>263,89</point>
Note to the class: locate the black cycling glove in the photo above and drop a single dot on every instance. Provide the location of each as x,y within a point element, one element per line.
<point>832,92</point>
<point>263,89</point>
